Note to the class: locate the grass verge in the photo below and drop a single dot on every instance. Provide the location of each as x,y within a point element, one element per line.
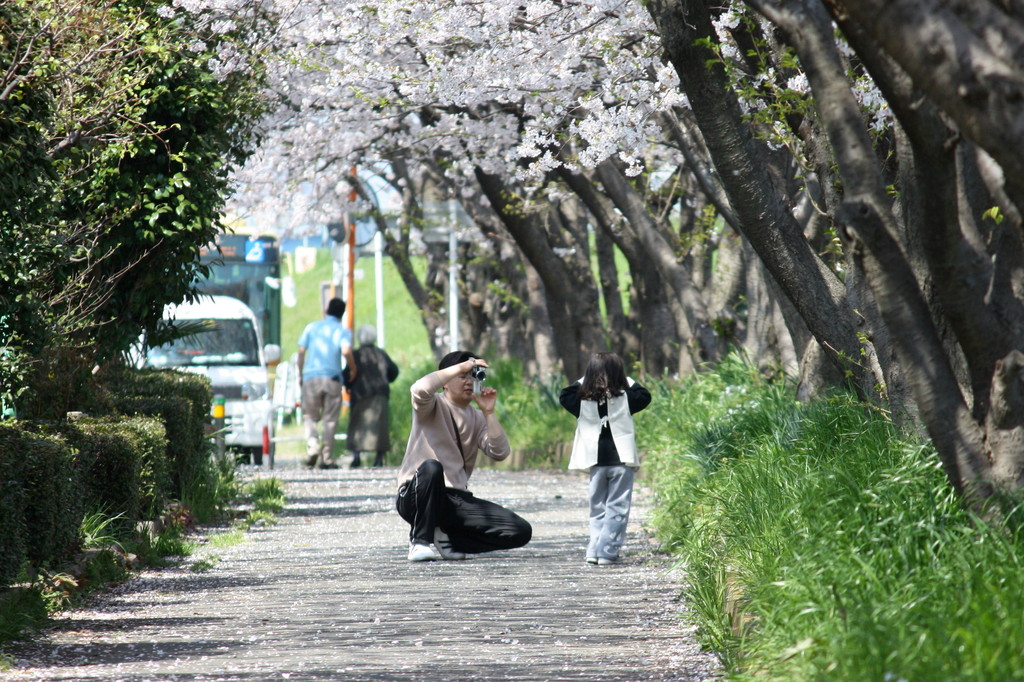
<point>821,543</point>
<point>261,499</point>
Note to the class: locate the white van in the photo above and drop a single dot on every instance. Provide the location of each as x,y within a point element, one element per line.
<point>229,350</point>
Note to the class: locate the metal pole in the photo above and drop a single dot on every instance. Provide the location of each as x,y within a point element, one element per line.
<point>453,292</point>
<point>350,281</point>
<point>218,426</point>
<point>350,299</point>
<point>378,274</point>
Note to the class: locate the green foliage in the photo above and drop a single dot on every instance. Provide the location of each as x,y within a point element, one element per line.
<point>265,494</point>
<point>131,473</point>
<point>116,140</point>
<point>211,489</point>
<point>40,505</point>
<point>100,529</point>
<point>62,381</point>
<point>12,504</point>
<point>26,190</point>
<point>21,611</point>
<point>182,402</point>
<point>56,589</point>
<point>173,542</point>
<point>174,411</point>
<point>820,543</point>
<point>52,506</point>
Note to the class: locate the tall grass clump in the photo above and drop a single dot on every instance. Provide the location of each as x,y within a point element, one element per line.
<point>821,543</point>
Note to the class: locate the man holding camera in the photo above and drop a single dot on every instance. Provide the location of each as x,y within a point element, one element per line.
<point>447,521</point>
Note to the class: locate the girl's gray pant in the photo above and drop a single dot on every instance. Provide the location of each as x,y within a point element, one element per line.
<point>611,494</point>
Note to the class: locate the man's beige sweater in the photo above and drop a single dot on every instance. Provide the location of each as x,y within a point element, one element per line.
<point>434,421</point>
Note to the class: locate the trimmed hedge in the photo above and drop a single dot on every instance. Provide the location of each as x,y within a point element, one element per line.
<point>182,401</point>
<point>123,465</point>
<point>53,472</point>
<point>53,506</point>
<point>12,502</point>
<point>40,506</point>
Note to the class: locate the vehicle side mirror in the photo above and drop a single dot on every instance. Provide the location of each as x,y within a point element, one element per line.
<point>272,352</point>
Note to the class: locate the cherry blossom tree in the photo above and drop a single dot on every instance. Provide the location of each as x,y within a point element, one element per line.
<point>853,193</point>
<point>505,99</point>
<point>926,210</point>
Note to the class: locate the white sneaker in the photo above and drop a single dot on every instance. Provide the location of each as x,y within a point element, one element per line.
<point>423,552</point>
<point>443,545</point>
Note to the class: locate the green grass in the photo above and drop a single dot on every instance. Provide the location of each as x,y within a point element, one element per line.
<point>99,529</point>
<point>404,334</point>
<point>822,544</point>
<point>22,610</point>
<point>265,497</point>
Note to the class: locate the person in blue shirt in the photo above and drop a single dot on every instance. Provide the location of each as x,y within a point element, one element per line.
<point>322,346</point>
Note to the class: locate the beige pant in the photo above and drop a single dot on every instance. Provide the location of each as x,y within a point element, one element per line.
<point>321,401</point>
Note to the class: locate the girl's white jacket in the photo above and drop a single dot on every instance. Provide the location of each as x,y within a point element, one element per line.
<point>588,429</point>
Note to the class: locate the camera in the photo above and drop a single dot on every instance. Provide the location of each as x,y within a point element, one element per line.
<point>478,373</point>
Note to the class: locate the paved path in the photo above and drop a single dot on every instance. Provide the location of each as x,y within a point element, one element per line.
<point>328,594</point>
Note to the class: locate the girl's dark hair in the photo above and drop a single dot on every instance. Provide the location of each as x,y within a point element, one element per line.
<point>605,377</point>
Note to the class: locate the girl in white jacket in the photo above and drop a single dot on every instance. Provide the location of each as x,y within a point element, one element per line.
<point>604,401</point>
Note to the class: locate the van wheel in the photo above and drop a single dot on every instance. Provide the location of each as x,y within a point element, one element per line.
<point>257,455</point>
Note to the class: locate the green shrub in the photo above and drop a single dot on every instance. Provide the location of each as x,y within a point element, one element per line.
<point>41,507</point>
<point>211,489</point>
<point>21,610</point>
<point>182,401</point>
<point>12,502</point>
<point>124,467</point>
<point>53,505</point>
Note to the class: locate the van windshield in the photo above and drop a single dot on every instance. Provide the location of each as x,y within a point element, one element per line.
<point>222,342</point>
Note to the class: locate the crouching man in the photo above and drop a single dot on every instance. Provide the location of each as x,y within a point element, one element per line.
<point>447,521</point>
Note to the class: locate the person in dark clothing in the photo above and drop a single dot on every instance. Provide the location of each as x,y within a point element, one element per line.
<point>603,402</point>
<point>369,420</point>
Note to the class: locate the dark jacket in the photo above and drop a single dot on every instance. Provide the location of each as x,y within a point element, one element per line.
<point>375,371</point>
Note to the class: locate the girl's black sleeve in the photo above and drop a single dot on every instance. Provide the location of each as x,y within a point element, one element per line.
<point>638,397</point>
<point>570,399</point>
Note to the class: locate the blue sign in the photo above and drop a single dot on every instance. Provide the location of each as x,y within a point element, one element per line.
<point>254,252</point>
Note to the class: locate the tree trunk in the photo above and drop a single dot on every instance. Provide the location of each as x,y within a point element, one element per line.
<point>569,289</point>
<point>660,253</point>
<point>759,210</point>
<point>969,67</point>
<point>871,229</point>
<point>660,346</point>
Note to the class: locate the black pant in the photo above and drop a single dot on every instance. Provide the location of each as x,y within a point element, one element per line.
<point>473,525</point>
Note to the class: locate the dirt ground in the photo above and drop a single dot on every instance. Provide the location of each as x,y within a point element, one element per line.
<point>327,593</point>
